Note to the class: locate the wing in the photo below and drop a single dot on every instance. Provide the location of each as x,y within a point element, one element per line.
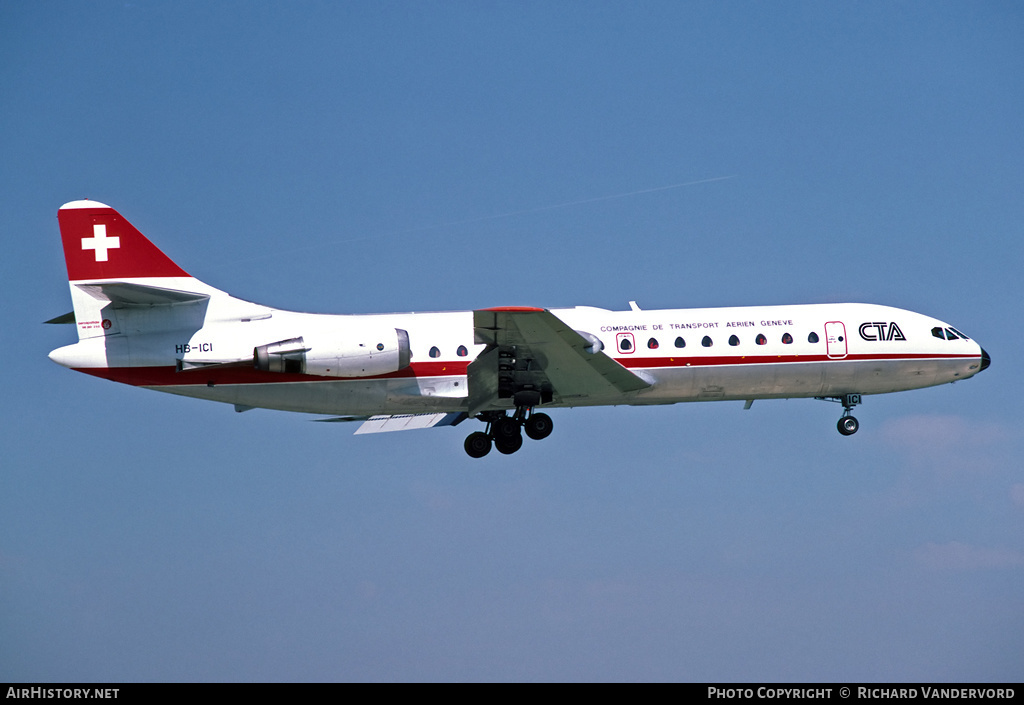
<point>532,351</point>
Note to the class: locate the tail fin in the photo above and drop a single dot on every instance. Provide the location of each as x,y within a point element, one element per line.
<point>114,270</point>
<point>100,244</point>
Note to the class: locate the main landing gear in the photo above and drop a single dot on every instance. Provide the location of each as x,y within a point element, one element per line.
<point>848,424</point>
<point>506,432</point>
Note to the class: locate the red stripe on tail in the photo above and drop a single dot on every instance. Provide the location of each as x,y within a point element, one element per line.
<point>99,243</point>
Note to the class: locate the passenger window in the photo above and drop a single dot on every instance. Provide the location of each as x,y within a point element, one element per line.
<point>812,338</point>
<point>706,342</point>
<point>787,339</point>
<point>434,352</point>
<point>462,352</point>
<point>733,340</point>
<point>652,343</point>
<point>680,343</point>
<point>625,344</point>
<point>760,339</point>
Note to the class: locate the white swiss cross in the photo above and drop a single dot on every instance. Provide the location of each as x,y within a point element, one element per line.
<point>100,242</point>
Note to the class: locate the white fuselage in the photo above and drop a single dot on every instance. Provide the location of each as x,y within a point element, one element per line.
<point>758,352</point>
<point>143,320</point>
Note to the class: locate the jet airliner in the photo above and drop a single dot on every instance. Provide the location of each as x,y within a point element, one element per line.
<point>144,321</point>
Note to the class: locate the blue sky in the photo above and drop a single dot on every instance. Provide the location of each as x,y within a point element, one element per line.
<point>390,156</point>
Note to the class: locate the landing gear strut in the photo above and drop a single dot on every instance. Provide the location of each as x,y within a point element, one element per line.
<point>506,432</point>
<point>848,424</point>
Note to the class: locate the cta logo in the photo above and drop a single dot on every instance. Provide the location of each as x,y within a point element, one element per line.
<point>880,330</point>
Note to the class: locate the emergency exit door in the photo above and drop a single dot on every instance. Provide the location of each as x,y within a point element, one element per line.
<point>835,340</point>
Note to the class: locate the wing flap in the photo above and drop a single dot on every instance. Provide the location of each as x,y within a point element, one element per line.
<point>409,422</point>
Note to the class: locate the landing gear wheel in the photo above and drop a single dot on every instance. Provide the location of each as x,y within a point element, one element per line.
<point>504,428</point>
<point>538,426</point>
<point>509,445</point>
<point>848,425</point>
<point>478,444</point>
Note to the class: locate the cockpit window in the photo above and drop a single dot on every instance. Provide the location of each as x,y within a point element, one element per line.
<point>950,333</point>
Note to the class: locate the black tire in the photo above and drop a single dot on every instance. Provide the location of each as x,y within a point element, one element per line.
<point>504,427</point>
<point>509,445</point>
<point>478,444</point>
<point>848,425</point>
<point>538,426</point>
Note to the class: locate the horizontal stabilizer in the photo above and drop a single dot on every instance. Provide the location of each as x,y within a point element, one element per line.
<point>122,294</point>
<point>68,317</point>
<point>407,422</point>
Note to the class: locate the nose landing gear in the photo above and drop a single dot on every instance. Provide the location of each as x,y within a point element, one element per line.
<point>506,432</point>
<point>847,425</point>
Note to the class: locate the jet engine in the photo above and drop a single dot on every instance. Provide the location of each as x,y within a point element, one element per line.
<point>342,353</point>
<point>595,346</point>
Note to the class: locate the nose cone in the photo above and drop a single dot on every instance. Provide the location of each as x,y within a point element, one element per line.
<point>985,360</point>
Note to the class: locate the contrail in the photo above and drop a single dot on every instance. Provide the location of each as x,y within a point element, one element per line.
<point>485,218</point>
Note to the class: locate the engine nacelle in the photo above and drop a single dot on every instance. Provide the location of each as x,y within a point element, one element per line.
<point>595,346</point>
<point>350,352</point>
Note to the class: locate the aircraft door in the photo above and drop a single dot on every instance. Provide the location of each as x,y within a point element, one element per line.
<point>835,340</point>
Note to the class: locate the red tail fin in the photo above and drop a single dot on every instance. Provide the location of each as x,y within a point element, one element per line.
<point>100,244</point>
